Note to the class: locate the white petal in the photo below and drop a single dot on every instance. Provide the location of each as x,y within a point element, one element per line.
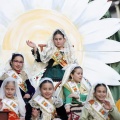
<point>42,4</point>
<point>106,46</point>
<point>98,72</point>
<point>57,4</point>
<point>11,8</point>
<point>106,51</point>
<point>97,30</point>
<point>102,12</point>
<point>106,57</point>
<point>3,19</point>
<point>27,4</point>
<point>72,9</point>
<point>2,33</point>
<point>94,11</point>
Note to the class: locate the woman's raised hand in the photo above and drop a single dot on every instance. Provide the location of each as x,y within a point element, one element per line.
<point>107,105</point>
<point>31,44</point>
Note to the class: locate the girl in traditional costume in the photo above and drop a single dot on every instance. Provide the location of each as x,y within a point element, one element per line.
<point>75,90</point>
<point>16,71</point>
<point>11,99</point>
<point>58,53</point>
<point>100,105</point>
<point>44,105</point>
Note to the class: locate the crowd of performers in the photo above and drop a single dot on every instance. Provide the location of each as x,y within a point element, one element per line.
<point>62,94</point>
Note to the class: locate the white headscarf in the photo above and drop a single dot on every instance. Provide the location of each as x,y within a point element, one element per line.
<point>108,96</point>
<point>17,94</point>
<point>46,54</point>
<point>38,92</point>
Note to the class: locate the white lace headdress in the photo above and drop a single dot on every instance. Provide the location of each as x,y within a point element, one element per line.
<point>47,53</point>
<point>17,94</point>
<point>38,92</point>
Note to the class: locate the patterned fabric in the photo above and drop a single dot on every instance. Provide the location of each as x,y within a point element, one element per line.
<point>75,113</point>
<point>12,115</point>
<point>59,58</point>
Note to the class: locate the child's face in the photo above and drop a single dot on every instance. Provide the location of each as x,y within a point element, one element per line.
<point>47,90</point>
<point>77,75</point>
<point>17,63</point>
<point>59,41</point>
<point>100,93</point>
<point>10,90</point>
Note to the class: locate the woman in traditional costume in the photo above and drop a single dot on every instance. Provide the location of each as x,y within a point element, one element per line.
<point>16,71</point>
<point>100,105</point>
<point>44,105</point>
<point>58,53</point>
<point>11,99</point>
<point>75,90</point>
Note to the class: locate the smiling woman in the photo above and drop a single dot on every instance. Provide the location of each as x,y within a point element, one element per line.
<point>100,105</point>
<point>44,105</point>
<point>11,99</point>
<point>15,70</point>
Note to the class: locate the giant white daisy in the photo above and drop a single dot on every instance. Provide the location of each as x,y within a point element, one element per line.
<point>35,20</point>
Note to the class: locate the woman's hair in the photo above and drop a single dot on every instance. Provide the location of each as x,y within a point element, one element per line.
<point>98,85</point>
<point>10,82</point>
<point>45,81</point>
<point>58,32</point>
<point>73,71</point>
<point>14,55</point>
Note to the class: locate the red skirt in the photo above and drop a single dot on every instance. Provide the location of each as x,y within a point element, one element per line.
<point>12,115</point>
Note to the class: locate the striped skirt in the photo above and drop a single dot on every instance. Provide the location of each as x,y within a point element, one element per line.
<point>75,113</point>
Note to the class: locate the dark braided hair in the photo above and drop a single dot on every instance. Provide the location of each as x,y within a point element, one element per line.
<point>73,71</point>
<point>14,55</point>
<point>98,85</point>
<point>58,32</point>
